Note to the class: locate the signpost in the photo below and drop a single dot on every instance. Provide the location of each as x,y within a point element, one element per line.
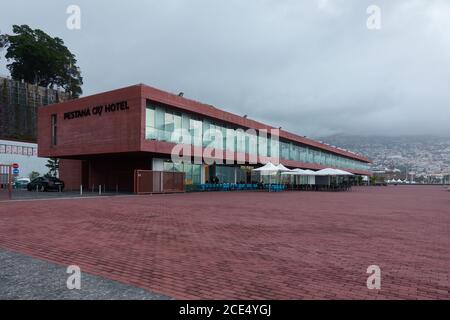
<point>15,170</point>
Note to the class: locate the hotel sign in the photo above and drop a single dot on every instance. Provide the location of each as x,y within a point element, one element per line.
<point>97,110</point>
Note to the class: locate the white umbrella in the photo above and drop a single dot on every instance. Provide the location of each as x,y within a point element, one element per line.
<point>330,172</point>
<point>305,173</point>
<point>345,173</point>
<point>282,168</point>
<point>333,172</point>
<point>290,173</point>
<point>297,172</point>
<point>269,168</point>
<point>327,172</point>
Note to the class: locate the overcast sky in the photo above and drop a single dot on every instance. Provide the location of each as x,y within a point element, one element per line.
<point>312,67</point>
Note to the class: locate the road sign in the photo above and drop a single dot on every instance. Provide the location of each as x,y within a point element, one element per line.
<point>16,171</point>
<point>15,165</point>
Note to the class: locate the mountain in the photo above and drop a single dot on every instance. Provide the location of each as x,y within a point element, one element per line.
<point>423,155</point>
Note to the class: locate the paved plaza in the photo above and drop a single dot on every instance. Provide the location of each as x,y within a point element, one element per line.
<point>234,245</point>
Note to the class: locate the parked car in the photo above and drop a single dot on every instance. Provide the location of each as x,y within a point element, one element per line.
<point>21,183</point>
<point>46,184</point>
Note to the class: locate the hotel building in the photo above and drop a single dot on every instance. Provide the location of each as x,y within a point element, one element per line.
<point>102,139</point>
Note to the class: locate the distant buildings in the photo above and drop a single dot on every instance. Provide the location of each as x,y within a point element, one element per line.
<point>25,155</point>
<point>427,158</point>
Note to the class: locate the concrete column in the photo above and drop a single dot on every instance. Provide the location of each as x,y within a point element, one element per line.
<point>203,174</point>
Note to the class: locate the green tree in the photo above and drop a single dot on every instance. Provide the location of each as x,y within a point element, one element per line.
<point>2,41</point>
<point>53,167</point>
<point>33,175</point>
<point>37,58</point>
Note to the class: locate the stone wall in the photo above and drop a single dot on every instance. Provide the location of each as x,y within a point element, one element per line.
<point>18,108</point>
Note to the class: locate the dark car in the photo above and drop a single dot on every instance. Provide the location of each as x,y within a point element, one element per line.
<point>46,184</point>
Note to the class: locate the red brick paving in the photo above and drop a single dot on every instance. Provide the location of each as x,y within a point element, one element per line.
<point>289,245</point>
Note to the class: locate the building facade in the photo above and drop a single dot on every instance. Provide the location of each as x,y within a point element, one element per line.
<point>25,155</point>
<point>102,139</point>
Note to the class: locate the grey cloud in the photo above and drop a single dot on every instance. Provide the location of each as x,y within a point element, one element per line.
<point>311,67</point>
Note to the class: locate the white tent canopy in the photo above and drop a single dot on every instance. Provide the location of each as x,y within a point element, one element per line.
<point>282,168</point>
<point>290,173</point>
<point>299,172</point>
<point>344,173</point>
<point>327,172</point>
<point>333,172</point>
<point>268,169</point>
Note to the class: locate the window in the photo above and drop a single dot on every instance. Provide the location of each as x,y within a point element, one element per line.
<point>169,127</point>
<point>169,123</point>
<point>150,132</point>
<point>195,131</point>
<point>54,129</point>
<point>160,123</point>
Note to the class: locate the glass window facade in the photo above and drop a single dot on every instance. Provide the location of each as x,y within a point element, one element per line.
<point>162,122</point>
<point>192,171</point>
<point>228,174</point>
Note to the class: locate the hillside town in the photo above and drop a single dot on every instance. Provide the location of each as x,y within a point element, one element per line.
<point>423,159</point>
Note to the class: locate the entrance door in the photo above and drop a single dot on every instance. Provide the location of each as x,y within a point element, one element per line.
<point>85,169</point>
<point>5,182</point>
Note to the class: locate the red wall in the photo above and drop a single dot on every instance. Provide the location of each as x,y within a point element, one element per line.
<point>109,133</point>
<point>70,173</point>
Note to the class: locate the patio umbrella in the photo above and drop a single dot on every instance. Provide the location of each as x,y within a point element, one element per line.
<point>269,169</point>
<point>327,172</point>
<point>343,173</point>
<point>311,176</point>
<point>300,172</point>
<point>282,168</point>
<point>291,173</point>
